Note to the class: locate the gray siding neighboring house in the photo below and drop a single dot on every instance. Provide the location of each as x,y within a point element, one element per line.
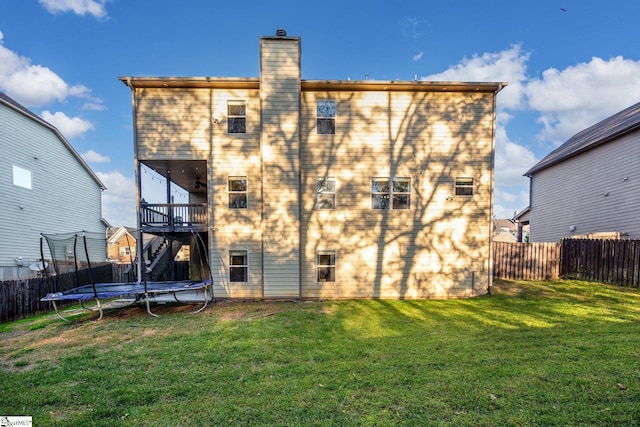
<point>45,187</point>
<point>590,185</point>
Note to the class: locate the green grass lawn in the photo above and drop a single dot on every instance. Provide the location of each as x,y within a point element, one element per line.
<point>532,354</point>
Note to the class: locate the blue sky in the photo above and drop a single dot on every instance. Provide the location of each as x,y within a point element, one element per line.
<point>569,64</point>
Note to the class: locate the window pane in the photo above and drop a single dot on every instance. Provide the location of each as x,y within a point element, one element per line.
<point>238,274</point>
<point>237,184</point>
<point>326,126</point>
<point>238,258</point>
<point>237,125</point>
<point>326,108</point>
<point>237,109</point>
<point>326,185</point>
<point>326,274</point>
<point>380,201</point>
<point>401,201</point>
<point>402,185</point>
<point>379,185</point>
<point>464,191</point>
<point>237,200</point>
<point>326,201</point>
<point>326,258</point>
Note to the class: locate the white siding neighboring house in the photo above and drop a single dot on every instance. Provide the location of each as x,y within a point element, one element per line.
<point>45,187</point>
<point>590,185</point>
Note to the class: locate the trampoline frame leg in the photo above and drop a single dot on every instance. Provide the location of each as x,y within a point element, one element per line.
<point>55,307</point>
<point>146,300</point>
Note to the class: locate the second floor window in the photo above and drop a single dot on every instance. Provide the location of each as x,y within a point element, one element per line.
<point>236,117</point>
<point>237,192</point>
<point>326,120</point>
<point>326,192</point>
<point>391,193</point>
<point>464,186</point>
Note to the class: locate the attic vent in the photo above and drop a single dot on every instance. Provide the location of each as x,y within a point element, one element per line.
<point>281,33</point>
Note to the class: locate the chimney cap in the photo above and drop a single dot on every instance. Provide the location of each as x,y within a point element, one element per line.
<point>281,32</point>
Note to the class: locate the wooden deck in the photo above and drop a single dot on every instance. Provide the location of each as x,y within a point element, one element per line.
<point>173,217</point>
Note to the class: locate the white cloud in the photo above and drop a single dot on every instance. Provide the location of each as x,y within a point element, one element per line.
<point>79,7</point>
<point>417,57</point>
<point>93,157</point>
<point>34,85</point>
<point>70,127</point>
<point>509,65</point>
<point>579,96</point>
<point>119,199</point>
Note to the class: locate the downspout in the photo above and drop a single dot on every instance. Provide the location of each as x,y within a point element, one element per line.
<point>493,163</point>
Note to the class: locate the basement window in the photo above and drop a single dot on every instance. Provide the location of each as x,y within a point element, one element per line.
<point>326,120</point>
<point>326,266</point>
<point>236,117</point>
<point>326,192</point>
<point>464,186</point>
<point>238,266</point>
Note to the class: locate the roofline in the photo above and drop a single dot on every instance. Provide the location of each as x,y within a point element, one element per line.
<point>537,168</point>
<point>312,85</point>
<point>61,137</point>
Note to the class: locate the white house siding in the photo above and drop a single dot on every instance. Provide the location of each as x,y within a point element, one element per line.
<point>596,191</point>
<point>64,197</point>
<point>280,117</point>
<point>438,248</point>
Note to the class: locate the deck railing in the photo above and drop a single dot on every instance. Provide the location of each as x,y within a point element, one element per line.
<point>173,214</point>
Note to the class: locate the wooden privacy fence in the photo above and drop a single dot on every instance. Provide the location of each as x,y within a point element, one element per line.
<point>526,261</point>
<point>607,261</point>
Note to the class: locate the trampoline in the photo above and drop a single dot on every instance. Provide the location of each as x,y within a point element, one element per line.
<point>139,291</point>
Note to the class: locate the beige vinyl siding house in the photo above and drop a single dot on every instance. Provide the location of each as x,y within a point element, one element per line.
<point>327,189</point>
<point>589,185</point>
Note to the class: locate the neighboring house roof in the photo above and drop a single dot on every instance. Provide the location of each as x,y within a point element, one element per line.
<point>504,225</point>
<point>116,234</point>
<point>13,104</point>
<point>608,129</point>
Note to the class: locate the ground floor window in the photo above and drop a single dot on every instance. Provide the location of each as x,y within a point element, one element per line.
<point>238,266</point>
<point>326,266</point>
